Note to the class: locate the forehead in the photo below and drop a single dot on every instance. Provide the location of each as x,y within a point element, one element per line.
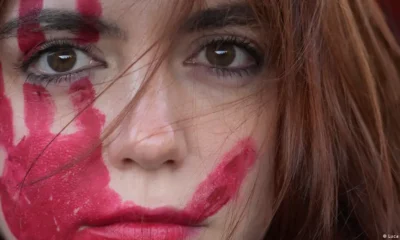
<point>127,14</point>
<point>121,8</point>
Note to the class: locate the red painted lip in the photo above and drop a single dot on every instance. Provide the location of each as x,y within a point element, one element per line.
<point>158,215</point>
<point>140,223</point>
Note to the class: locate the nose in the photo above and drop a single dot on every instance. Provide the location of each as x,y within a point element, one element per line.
<point>148,137</point>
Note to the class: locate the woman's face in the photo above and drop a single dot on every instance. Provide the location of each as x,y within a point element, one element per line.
<point>191,159</point>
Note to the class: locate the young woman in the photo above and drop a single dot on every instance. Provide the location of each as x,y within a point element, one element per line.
<point>213,119</point>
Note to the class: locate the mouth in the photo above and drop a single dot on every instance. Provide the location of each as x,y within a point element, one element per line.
<point>144,224</point>
<point>139,223</point>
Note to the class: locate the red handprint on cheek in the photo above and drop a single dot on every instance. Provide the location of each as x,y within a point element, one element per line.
<point>53,186</point>
<point>51,182</point>
<point>54,207</point>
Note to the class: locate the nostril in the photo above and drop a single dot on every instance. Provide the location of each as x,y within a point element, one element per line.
<point>170,162</point>
<point>127,161</point>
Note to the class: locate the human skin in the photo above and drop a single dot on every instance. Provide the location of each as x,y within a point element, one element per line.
<point>194,143</point>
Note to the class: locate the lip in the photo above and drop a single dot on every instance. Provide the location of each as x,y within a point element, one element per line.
<point>142,231</point>
<point>140,223</point>
<point>129,221</point>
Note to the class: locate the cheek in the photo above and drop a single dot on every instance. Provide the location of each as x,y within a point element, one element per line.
<point>257,192</point>
<point>224,182</point>
<point>44,171</point>
<point>252,210</point>
<point>48,176</point>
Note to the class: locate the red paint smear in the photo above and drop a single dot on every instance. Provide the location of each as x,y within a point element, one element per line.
<point>90,8</point>
<point>59,205</point>
<point>75,195</point>
<point>6,137</point>
<point>211,195</point>
<point>223,183</point>
<point>26,38</point>
<point>48,206</point>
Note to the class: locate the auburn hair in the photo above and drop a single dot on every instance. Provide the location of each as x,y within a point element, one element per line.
<point>337,159</point>
<point>338,146</point>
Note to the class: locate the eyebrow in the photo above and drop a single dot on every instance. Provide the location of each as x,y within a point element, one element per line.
<point>239,14</point>
<point>60,20</point>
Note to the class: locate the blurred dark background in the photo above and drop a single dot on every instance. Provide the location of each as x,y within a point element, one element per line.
<point>392,11</point>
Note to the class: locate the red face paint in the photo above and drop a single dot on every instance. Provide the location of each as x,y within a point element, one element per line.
<point>90,8</point>
<point>58,198</point>
<point>79,196</point>
<point>50,209</point>
<point>27,38</point>
<point>129,221</point>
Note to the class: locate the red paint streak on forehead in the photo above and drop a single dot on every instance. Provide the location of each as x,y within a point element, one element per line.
<point>91,8</point>
<point>26,38</point>
<point>25,6</point>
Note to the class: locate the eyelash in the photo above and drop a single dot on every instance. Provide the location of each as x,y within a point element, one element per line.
<point>240,42</point>
<point>47,47</point>
<point>35,54</point>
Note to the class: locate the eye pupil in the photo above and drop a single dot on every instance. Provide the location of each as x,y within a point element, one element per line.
<point>62,60</point>
<point>221,54</point>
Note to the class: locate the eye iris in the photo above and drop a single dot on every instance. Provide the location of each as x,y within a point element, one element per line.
<point>221,54</point>
<point>62,60</point>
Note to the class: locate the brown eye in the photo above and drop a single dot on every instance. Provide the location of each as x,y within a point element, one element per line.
<point>226,55</point>
<point>221,54</point>
<point>62,60</point>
